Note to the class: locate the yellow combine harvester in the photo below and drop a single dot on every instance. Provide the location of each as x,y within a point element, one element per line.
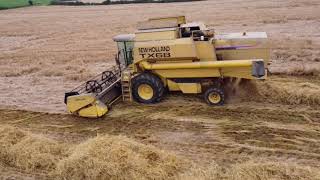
<point>171,54</point>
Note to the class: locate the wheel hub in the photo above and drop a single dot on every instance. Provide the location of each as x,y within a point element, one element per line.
<point>145,91</point>
<point>214,97</point>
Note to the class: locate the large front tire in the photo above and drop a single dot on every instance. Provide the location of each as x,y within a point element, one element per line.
<point>147,88</point>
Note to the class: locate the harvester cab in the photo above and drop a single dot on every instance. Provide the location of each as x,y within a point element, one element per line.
<point>125,46</point>
<point>169,53</point>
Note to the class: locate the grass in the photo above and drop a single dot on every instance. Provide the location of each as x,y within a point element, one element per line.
<point>8,4</point>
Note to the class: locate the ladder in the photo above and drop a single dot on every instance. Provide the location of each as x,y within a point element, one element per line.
<point>126,86</point>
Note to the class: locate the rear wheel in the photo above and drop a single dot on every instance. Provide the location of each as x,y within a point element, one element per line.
<point>147,88</point>
<point>214,96</point>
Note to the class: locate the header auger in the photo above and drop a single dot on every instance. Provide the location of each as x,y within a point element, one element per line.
<point>169,53</point>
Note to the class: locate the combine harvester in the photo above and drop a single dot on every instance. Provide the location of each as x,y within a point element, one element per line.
<point>171,54</point>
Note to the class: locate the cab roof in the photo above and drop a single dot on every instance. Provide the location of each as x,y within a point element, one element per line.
<point>124,37</point>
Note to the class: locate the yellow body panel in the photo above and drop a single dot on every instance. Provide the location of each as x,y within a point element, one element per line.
<point>232,68</point>
<point>173,86</point>
<point>190,87</point>
<point>205,51</point>
<point>165,50</point>
<point>187,73</point>
<point>184,87</point>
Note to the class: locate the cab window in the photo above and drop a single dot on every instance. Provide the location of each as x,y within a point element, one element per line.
<point>125,53</point>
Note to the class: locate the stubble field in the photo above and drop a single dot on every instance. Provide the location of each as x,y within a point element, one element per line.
<point>268,129</point>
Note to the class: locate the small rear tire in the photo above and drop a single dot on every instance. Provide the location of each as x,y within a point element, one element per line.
<point>214,96</point>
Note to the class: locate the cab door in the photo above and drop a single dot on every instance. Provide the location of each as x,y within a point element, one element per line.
<point>125,53</point>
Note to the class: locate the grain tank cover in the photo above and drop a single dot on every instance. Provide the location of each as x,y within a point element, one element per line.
<point>156,34</point>
<point>162,28</point>
<point>162,22</point>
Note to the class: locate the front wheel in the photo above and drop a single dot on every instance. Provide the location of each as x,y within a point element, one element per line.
<point>147,88</point>
<point>214,96</point>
